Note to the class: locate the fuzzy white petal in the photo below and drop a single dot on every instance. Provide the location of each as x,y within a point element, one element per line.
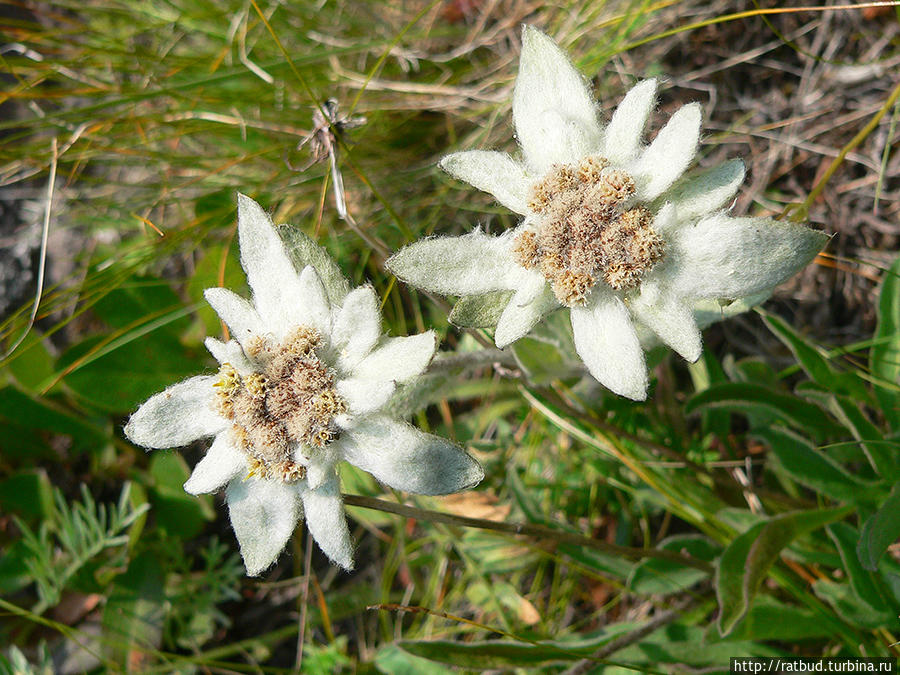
<point>553,110</point>
<point>407,459</point>
<point>312,303</point>
<point>457,265</point>
<point>327,522</point>
<point>724,257</point>
<point>670,318</point>
<point>229,352</point>
<point>606,341</point>
<point>529,305</point>
<point>622,139</point>
<point>665,222</point>
<point>493,172</point>
<point>670,153</point>
<point>263,514</point>
<point>398,359</point>
<point>177,416</point>
<point>357,327</point>
<point>222,463</point>
<point>707,191</point>
<point>364,396</point>
<point>241,317</point>
<point>277,292</point>
<point>320,462</point>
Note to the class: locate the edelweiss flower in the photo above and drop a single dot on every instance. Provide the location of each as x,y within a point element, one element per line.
<point>299,388</point>
<point>611,230</point>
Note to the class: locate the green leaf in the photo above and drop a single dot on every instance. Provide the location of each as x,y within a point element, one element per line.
<point>392,660</point>
<point>40,413</point>
<point>28,494</point>
<point>541,362</point>
<point>208,273</point>
<point>127,374</point>
<point>177,512</point>
<point>677,646</point>
<point>884,357</point>
<point>811,358</point>
<point>746,561</point>
<point>479,311</point>
<point>862,581</point>
<point>216,207</point>
<point>870,438</point>
<point>655,576</point>
<point>770,619</point>
<point>31,363</point>
<point>880,531</point>
<point>747,398</point>
<point>812,468</point>
<point>704,373</point>
<point>484,655</point>
<point>849,607</point>
<point>506,653</point>
<point>15,567</point>
<point>304,251</point>
<point>136,300</point>
<point>134,613</point>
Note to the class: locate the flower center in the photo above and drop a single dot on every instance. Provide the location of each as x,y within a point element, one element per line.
<point>290,400</point>
<point>585,232</point>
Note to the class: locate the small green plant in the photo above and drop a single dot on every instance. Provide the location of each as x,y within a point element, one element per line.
<point>76,537</point>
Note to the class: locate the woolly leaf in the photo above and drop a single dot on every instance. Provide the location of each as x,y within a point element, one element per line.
<point>480,311</point>
<point>304,251</point>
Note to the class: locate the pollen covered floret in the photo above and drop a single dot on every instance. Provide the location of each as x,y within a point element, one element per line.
<point>588,229</point>
<point>290,400</point>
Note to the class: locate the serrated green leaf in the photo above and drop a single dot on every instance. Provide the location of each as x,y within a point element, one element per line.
<point>747,398</point>
<point>746,561</point>
<point>879,531</point>
<point>813,469</point>
<point>655,576</point>
<point>304,251</point>
<point>862,581</point>
<point>884,357</point>
<point>479,311</point>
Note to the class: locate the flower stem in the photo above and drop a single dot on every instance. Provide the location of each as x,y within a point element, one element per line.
<point>527,529</point>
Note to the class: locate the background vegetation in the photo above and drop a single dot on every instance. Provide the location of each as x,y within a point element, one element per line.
<point>749,507</point>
